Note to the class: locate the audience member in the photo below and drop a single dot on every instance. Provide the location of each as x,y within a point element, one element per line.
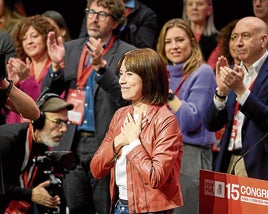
<point>30,67</point>
<point>96,93</point>
<point>199,14</point>
<point>59,20</point>
<point>21,178</point>
<point>140,28</point>
<point>10,15</point>
<point>240,103</point>
<point>192,85</point>
<point>143,144</point>
<point>226,45</point>
<point>260,9</point>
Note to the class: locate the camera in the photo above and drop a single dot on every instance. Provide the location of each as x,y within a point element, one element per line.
<point>2,66</point>
<point>59,162</point>
<point>55,164</point>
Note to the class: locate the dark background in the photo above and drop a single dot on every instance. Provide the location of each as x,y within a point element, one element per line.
<point>73,11</point>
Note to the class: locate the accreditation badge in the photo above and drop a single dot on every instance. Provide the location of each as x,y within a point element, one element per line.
<point>77,98</point>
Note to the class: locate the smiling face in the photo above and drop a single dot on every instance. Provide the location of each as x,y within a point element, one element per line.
<point>33,43</point>
<point>131,85</point>
<point>177,45</point>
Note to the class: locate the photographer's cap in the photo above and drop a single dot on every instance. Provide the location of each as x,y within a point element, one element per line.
<point>55,104</point>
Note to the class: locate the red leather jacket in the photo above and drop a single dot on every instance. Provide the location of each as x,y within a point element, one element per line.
<point>153,168</point>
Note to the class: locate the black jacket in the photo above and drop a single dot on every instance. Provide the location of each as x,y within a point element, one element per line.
<point>12,154</point>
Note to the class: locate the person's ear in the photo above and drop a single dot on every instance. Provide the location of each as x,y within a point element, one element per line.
<point>264,41</point>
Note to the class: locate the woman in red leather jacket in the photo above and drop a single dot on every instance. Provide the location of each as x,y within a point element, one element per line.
<point>143,146</point>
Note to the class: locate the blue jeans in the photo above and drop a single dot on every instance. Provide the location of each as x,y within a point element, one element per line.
<point>121,208</point>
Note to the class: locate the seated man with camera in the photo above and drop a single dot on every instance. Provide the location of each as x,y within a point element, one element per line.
<point>24,183</point>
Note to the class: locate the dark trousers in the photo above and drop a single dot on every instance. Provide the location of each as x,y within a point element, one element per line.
<point>83,193</point>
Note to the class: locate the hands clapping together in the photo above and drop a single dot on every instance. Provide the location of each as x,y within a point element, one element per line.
<point>17,69</point>
<point>229,79</point>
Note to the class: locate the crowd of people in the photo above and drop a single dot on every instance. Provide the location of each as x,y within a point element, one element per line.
<point>140,107</point>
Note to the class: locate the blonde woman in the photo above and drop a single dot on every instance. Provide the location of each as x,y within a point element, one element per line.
<point>192,85</point>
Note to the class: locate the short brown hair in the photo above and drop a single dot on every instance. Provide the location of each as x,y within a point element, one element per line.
<point>150,67</point>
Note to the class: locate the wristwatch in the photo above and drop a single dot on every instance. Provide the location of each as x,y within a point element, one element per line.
<point>8,89</point>
<point>219,96</point>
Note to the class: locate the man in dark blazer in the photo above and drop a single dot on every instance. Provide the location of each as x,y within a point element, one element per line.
<point>241,103</point>
<point>93,86</point>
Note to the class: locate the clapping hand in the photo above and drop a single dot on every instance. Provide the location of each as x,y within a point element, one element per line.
<point>17,69</point>
<point>221,63</point>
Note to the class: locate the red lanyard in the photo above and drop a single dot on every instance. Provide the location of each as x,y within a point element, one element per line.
<point>235,122</point>
<point>28,174</point>
<point>83,71</point>
<point>180,85</point>
<point>237,104</point>
<point>43,72</point>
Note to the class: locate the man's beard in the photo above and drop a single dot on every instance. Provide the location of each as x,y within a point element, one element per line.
<point>48,140</point>
<point>96,33</point>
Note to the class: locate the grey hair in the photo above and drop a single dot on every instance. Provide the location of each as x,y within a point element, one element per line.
<point>210,25</point>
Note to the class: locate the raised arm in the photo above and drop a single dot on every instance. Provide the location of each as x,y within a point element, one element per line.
<point>18,101</point>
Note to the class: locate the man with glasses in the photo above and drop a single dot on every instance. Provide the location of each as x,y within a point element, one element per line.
<point>240,103</point>
<point>140,28</point>
<point>86,70</point>
<point>23,181</point>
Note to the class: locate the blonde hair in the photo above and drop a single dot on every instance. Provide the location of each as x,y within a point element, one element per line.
<point>196,57</point>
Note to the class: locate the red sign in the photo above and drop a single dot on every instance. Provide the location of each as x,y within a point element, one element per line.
<point>222,193</point>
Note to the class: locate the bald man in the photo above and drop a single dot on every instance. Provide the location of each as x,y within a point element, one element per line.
<point>241,103</point>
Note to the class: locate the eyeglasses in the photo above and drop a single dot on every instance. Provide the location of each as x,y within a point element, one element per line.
<point>59,122</point>
<point>244,36</point>
<point>101,15</point>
